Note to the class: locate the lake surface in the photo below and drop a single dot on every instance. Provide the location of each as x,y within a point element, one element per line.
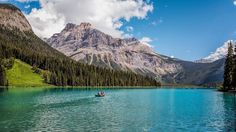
<point>67,110</point>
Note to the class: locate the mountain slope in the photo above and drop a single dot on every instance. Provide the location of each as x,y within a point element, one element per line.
<point>16,41</point>
<point>202,73</point>
<point>86,44</point>
<point>21,74</point>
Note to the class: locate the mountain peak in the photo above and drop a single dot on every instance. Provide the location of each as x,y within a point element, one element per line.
<point>11,17</point>
<point>85,25</point>
<point>69,26</point>
<point>9,7</point>
<point>220,53</point>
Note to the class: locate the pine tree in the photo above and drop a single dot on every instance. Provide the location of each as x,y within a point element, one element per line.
<point>229,67</point>
<point>2,76</point>
<point>234,70</point>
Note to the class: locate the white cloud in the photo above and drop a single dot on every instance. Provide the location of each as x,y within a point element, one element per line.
<point>146,41</point>
<point>27,6</point>
<point>127,35</point>
<point>129,29</point>
<point>104,15</point>
<point>235,2</point>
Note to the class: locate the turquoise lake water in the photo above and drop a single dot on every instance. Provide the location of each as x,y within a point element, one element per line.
<point>128,110</point>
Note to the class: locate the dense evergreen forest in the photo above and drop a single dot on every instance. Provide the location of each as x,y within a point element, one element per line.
<point>2,75</point>
<point>230,69</point>
<point>61,70</point>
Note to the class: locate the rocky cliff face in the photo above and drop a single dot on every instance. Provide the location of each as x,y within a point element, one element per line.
<point>12,17</point>
<point>88,45</point>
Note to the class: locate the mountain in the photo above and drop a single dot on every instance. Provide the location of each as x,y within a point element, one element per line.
<point>17,40</point>
<point>220,53</point>
<point>11,17</point>
<point>86,44</point>
<point>13,21</point>
<point>202,73</point>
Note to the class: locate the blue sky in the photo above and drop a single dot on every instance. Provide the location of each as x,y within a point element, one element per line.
<point>185,29</point>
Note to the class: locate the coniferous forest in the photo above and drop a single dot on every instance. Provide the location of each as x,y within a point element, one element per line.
<point>61,70</point>
<point>230,69</point>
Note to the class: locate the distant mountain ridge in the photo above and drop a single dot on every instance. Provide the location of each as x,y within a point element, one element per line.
<point>220,53</point>
<point>88,45</point>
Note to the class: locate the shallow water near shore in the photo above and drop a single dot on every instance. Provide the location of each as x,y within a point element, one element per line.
<point>43,109</point>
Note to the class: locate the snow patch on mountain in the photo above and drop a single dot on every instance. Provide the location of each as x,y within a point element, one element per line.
<point>220,53</point>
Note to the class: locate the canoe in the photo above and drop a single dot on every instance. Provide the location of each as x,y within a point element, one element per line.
<point>97,95</point>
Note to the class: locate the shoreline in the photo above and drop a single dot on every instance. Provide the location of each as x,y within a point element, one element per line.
<point>114,87</point>
<point>229,91</point>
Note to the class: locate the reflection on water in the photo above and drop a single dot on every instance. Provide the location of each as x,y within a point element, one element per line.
<point>229,112</point>
<point>83,101</point>
<point>3,89</point>
<point>35,109</point>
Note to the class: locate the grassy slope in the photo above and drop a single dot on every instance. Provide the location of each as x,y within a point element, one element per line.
<point>22,75</point>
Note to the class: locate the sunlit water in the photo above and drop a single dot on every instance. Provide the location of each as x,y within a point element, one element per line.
<point>125,110</point>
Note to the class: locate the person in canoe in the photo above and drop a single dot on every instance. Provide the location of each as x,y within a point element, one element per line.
<point>100,94</point>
